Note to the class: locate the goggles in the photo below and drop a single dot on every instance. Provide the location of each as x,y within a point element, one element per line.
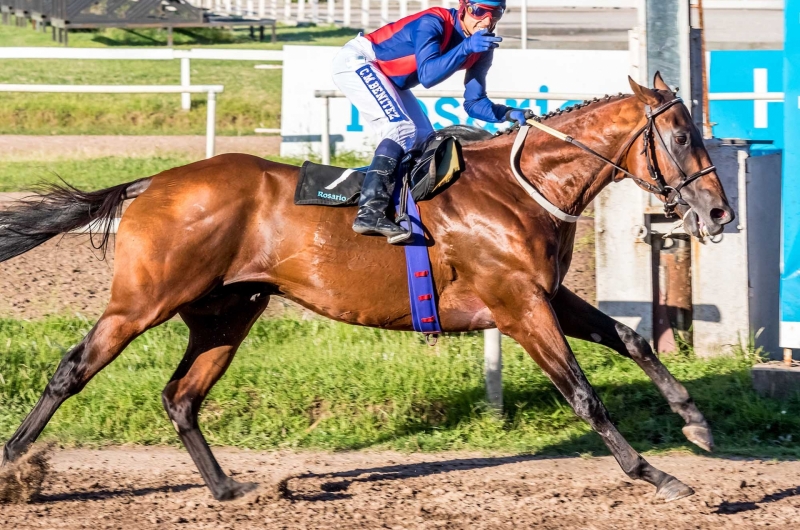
<point>480,11</point>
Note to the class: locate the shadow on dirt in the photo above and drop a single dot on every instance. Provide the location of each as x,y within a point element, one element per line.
<point>101,494</point>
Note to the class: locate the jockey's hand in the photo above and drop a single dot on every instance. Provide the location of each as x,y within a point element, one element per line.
<point>519,115</point>
<point>481,41</point>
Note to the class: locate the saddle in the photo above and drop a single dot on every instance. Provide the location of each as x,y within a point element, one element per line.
<point>425,175</point>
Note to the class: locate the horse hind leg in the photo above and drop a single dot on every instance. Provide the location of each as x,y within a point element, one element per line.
<point>106,340</point>
<point>218,323</point>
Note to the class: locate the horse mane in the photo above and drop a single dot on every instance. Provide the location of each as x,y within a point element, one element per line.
<point>470,134</point>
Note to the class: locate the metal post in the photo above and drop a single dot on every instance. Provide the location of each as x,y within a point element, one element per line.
<point>186,98</point>
<point>524,24</point>
<point>384,12</point>
<point>347,14</point>
<point>326,132</point>
<point>493,367</point>
<point>364,14</point>
<point>211,118</point>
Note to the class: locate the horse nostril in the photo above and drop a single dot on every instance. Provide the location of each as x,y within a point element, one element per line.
<point>718,214</point>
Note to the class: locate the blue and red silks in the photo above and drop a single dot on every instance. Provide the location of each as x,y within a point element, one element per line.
<point>420,277</point>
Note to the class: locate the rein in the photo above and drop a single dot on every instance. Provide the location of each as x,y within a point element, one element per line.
<point>672,195</point>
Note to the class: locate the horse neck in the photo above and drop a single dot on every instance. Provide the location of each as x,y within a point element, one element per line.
<point>567,176</point>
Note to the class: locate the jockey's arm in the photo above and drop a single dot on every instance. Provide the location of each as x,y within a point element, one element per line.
<point>476,102</point>
<point>433,66</point>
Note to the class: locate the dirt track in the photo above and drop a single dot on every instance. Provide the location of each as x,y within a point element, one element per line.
<point>155,487</point>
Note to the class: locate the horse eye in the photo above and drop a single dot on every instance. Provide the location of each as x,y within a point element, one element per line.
<point>681,139</point>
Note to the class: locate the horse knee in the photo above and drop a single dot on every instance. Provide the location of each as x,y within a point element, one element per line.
<point>635,345</point>
<point>181,409</point>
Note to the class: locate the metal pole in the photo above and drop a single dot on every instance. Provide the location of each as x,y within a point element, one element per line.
<point>211,118</point>
<point>326,133</point>
<point>493,367</point>
<point>384,12</point>
<point>524,25</point>
<point>364,14</point>
<point>186,98</point>
<point>347,17</point>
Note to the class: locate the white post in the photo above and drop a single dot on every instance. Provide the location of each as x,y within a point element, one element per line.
<point>403,8</point>
<point>365,14</point>
<point>239,7</point>
<point>326,131</point>
<point>211,118</point>
<point>273,9</point>
<point>331,11</point>
<point>228,10</point>
<point>384,12</point>
<point>347,15</point>
<point>423,5</point>
<point>315,11</point>
<point>446,4</point>
<point>493,367</point>
<point>287,10</point>
<point>262,9</point>
<point>186,98</point>
<point>248,9</point>
<point>524,24</point>
<point>301,10</point>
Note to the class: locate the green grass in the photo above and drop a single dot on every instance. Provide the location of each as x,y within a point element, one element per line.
<point>98,173</point>
<point>252,98</point>
<point>318,384</point>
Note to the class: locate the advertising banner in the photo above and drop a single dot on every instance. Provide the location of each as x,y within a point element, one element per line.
<point>790,208</point>
<point>308,68</point>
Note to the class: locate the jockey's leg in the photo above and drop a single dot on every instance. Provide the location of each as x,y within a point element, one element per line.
<point>381,104</point>
<point>376,192</point>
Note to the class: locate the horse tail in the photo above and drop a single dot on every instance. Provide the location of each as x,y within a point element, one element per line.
<point>55,209</point>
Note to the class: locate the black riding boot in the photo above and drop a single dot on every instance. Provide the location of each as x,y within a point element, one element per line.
<point>376,192</point>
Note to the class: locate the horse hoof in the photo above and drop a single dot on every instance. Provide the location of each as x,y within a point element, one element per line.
<point>673,489</point>
<point>700,435</point>
<point>236,490</point>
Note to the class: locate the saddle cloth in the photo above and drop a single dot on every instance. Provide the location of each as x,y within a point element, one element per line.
<point>322,185</point>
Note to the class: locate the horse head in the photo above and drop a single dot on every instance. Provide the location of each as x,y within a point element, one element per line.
<point>669,155</point>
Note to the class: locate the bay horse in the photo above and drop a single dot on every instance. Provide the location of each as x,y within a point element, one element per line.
<point>213,240</point>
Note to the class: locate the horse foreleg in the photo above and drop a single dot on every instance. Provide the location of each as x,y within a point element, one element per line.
<point>535,327</point>
<point>110,335</point>
<point>217,326</point>
<point>581,320</point>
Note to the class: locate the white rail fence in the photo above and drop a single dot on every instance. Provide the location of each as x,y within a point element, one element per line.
<point>370,14</point>
<point>211,92</point>
<point>155,54</point>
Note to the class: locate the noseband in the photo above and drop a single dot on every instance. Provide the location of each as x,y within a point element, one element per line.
<point>672,195</point>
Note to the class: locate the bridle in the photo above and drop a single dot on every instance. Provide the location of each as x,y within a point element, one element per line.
<point>672,195</point>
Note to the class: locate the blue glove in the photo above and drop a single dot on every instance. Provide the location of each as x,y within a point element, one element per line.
<point>519,115</point>
<point>481,41</point>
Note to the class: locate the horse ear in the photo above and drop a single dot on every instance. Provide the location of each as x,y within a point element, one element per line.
<point>659,84</point>
<point>646,95</point>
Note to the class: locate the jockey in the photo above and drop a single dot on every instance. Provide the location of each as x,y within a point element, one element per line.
<point>377,71</point>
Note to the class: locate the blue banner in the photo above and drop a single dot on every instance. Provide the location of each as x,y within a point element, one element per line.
<point>790,208</point>
<point>747,71</point>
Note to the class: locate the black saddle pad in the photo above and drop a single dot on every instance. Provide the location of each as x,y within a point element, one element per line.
<point>328,185</point>
<point>438,166</point>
